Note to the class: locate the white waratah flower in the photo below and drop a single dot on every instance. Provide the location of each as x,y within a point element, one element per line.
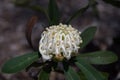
<point>59,42</point>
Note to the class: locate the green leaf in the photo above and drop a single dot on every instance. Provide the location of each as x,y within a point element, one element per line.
<point>93,5</point>
<point>43,75</point>
<point>82,76</point>
<point>99,57</point>
<point>38,8</point>
<point>105,74</point>
<point>19,63</point>
<point>26,4</point>
<point>21,2</point>
<point>89,71</point>
<point>53,12</point>
<point>70,74</point>
<point>77,13</point>
<point>115,3</point>
<point>87,36</point>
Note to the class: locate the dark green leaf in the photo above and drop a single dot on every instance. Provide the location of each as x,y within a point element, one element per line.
<point>70,74</point>
<point>89,71</point>
<point>77,13</point>
<point>82,76</point>
<point>35,64</point>
<point>105,74</point>
<point>26,4</point>
<point>53,12</point>
<point>19,63</point>
<point>38,8</point>
<point>99,57</point>
<point>113,2</point>
<point>87,35</point>
<point>43,75</point>
<point>21,2</point>
<point>93,5</point>
<point>95,11</point>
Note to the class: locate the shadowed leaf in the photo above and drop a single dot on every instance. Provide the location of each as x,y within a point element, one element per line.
<point>77,13</point>
<point>21,3</point>
<point>115,3</point>
<point>93,4</point>
<point>38,8</point>
<point>27,4</point>
<point>43,75</point>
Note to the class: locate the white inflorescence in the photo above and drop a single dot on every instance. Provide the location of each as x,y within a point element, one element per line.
<point>59,41</point>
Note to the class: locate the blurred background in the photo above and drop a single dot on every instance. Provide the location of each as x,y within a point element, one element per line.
<point>13,20</point>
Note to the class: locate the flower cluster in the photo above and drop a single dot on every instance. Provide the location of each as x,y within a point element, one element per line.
<point>59,42</point>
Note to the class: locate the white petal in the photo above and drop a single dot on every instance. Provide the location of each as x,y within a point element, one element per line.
<point>46,57</point>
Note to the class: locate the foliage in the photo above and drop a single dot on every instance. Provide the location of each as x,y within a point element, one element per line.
<point>53,12</point>
<point>115,3</point>
<point>87,36</point>
<point>82,61</point>
<point>19,63</point>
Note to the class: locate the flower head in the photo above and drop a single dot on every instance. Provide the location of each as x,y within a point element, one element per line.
<point>59,42</point>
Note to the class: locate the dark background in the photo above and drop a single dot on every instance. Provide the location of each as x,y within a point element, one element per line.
<point>13,21</point>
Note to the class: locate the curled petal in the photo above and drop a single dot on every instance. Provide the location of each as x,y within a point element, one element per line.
<point>59,42</point>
